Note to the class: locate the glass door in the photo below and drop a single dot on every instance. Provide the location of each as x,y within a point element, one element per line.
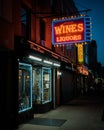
<point>46,85</point>
<point>36,90</point>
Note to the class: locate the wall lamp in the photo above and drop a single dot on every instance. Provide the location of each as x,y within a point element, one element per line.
<point>44,61</point>
<point>48,62</point>
<point>35,58</point>
<point>56,64</point>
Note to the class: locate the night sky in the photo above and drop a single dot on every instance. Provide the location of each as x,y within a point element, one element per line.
<point>97,15</point>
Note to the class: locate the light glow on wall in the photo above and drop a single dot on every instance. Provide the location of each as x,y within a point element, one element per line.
<point>82,70</point>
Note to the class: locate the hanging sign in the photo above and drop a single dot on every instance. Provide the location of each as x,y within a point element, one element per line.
<point>80,53</point>
<point>71,30</point>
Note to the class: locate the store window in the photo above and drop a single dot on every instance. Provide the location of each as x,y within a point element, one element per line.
<point>25,87</point>
<point>41,85</point>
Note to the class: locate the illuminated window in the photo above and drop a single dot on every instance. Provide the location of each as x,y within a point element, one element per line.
<point>25,87</point>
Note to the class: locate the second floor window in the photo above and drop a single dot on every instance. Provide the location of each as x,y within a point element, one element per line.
<point>42,29</point>
<point>25,22</point>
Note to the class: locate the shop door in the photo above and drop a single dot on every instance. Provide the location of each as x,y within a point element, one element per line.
<point>46,85</point>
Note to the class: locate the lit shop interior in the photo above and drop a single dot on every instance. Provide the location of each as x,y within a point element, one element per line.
<point>36,76</point>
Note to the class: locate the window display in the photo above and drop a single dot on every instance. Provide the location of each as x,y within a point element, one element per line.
<point>41,85</point>
<point>25,87</point>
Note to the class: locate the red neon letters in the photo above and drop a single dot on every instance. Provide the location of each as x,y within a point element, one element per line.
<point>66,29</point>
<point>68,32</point>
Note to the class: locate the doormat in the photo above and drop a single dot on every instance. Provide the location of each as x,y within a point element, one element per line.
<point>47,122</point>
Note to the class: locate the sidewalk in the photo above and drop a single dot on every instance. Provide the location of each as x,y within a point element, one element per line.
<point>79,114</point>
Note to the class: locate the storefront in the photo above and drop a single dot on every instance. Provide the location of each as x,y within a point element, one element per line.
<point>38,79</point>
<point>82,80</point>
<point>35,87</point>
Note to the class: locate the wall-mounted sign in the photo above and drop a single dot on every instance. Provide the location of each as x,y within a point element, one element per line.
<point>43,50</point>
<point>71,30</point>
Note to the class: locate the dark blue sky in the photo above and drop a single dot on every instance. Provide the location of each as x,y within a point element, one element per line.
<point>97,15</point>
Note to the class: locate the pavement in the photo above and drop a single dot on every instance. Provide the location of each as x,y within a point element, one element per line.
<point>82,113</point>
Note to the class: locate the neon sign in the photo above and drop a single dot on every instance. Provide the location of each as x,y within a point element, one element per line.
<point>80,53</point>
<point>69,31</point>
